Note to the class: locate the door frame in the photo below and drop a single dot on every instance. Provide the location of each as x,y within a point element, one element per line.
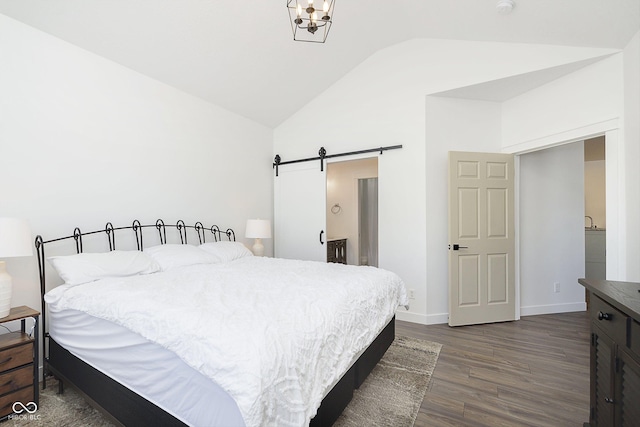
<point>354,184</point>
<point>614,158</point>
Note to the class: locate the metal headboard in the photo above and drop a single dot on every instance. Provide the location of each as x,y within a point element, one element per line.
<point>110,232</point>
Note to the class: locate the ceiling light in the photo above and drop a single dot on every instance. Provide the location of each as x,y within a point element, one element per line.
<point>310,24</point>
<point>505,6</point>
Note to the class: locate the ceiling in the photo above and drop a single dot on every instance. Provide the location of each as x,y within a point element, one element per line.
<point>242,57</point>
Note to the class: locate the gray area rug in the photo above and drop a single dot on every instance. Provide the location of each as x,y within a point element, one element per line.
<point>390,396</point>
<point>393,392</point>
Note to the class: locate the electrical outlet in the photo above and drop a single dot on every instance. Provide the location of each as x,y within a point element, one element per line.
<point>556,287</point>
<point>412,294</point>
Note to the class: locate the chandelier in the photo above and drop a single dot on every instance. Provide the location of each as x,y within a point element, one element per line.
<point>308,23</point>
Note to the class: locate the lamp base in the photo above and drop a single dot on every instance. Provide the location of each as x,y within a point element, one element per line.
<point>5,290</point>
<point>258,248</point>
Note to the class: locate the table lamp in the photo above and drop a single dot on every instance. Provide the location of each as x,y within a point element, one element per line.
<point>258,229</point>
<point>15,241</point>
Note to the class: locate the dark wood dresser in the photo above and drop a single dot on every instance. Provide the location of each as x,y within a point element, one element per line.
<point>615,352</point>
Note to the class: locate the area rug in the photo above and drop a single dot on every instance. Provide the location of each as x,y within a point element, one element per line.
<point>393,392</point>
<point>390,396</point>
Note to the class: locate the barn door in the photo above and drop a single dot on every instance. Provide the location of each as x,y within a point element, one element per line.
<point>481,238</point>
<point>300,198</point>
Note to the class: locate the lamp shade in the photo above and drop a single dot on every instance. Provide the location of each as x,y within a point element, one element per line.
<point>15,238</point>
<point>258,229</point>
<point>15,241</point>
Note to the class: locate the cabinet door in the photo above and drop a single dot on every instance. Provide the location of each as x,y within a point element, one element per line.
<point>628,391</point>
<point>602,375</point>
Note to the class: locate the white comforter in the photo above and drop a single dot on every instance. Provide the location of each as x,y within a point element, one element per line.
<point>274,333</point>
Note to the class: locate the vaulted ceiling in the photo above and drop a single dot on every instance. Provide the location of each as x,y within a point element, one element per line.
<point>242,57</point>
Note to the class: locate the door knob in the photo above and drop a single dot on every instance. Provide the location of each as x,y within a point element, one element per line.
<point>457,247</point>
<point>321,233</point>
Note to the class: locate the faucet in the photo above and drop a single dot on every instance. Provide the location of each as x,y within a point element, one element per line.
<point>591,220</point>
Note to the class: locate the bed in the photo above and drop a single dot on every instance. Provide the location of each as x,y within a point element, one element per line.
<point>207,334</point>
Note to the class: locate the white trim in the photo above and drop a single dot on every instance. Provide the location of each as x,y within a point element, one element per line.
<point>409,316</point>
<point>422,319</point>
<point>616,261</point>
<point>573,135</point>
<point>553,308</point>
<point>437,319</point>
<point>516,228</point>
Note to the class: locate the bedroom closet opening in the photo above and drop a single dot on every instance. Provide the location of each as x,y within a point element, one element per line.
<point>352,211</point>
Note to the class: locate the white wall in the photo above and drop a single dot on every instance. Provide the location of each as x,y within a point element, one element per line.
<point>551,229</point>
<point>536,119</point>
<point>631,128</point>
<point>84,141</point>
<point>589,102</point>
<point>588,96</point>
<point>382,102</point>
<point>452,125</point>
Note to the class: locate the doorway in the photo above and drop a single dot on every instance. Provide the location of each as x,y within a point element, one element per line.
<point>351,217</point>
<point>595,208</point>
<point>551,231</point>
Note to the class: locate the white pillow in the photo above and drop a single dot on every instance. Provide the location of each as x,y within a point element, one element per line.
<point>87,267</point>
<point>226,251</point>
<point>171,256</point>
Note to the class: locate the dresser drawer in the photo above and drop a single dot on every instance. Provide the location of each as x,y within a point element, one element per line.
<point>612,321</point>
<point>16,356</point>
<point>23,396</point>
<point>16,379</point>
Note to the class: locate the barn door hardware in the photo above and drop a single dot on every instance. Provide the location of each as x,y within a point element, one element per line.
<point>322,155</point>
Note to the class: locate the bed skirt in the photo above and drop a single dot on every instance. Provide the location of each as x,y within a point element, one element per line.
<point>125,407</point>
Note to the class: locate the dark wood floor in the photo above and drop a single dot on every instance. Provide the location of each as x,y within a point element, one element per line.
<point>531,372</point>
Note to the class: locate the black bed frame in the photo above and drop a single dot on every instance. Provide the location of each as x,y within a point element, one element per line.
<point>125,407</point>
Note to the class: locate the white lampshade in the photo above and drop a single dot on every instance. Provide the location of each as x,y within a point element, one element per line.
<point>258,229</point>
<point>15,238</point>
<point>15,241</point>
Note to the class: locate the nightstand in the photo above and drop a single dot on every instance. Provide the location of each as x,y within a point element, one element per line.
<point>19,364</point>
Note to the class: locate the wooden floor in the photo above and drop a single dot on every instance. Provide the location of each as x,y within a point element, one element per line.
<point>531,372</point>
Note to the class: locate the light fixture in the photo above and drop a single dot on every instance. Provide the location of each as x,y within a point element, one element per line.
<point>258,229</point>
<point>308,23</point>
<point>15,241</point>
<point>505,6</point>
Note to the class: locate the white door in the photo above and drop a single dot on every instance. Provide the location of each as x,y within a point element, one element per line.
<point>481,238</point>
<point>300,198</point>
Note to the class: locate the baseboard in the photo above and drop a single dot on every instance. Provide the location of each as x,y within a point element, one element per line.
<point>409,316</point>
<point>422,319</point>
<point>437,319</point>
<point>553,308</point>
<point>440,318</point>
